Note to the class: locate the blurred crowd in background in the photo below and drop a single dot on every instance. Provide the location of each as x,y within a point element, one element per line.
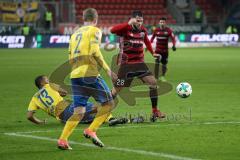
<point>30,17</point>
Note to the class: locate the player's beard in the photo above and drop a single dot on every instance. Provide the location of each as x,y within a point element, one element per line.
<point>136,26</point>
<point>162,26</point>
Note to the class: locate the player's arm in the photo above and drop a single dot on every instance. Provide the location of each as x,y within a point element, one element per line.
<point>95,50</point>
<point>32,108</point>
<point>149,45</point>
<point>34,119</point>
<point>99,58</point>
<point>172,36</point>
<point>120,29</point>
<point>59,89</point>
<point>153,36</point>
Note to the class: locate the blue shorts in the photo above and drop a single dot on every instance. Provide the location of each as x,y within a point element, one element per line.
<point>68,112</point>
<point>84,88</point>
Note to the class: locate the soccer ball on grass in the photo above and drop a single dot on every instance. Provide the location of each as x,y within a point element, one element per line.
<point>184,89</point>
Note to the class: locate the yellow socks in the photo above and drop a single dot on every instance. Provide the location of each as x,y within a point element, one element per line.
<point>70,125</point>
<point>110,116</point>
<point>102,115</point>
<point>68,129</point>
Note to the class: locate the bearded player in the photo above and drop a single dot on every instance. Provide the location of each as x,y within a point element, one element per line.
<point>133,35</point>
<point>162,34</point>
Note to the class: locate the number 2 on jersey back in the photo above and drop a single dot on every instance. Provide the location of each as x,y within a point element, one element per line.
<point>78,39</point>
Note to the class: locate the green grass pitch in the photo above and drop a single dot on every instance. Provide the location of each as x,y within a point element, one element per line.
<point>212,133</point>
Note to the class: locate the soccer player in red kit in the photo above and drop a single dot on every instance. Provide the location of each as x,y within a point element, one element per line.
<point>162,34</point>
<point>133,36</point>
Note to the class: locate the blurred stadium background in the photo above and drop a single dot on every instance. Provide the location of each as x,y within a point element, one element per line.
<point>48,23</point>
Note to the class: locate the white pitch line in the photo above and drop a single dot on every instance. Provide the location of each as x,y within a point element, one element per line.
<point>139,126</point>
<point>142,152</point>
<point>230,122</point>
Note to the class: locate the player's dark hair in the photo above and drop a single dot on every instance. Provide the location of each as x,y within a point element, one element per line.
<point>38,81</point>
<point>89,14</point>
<point>137,13</point>
<point>163,18</point>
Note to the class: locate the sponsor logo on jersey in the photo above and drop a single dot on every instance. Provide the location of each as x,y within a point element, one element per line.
<point>142,34</point>
<point>136,41</point>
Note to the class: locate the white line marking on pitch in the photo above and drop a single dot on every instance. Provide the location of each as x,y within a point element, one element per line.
<point>142,152</point>
<point>138,126</point>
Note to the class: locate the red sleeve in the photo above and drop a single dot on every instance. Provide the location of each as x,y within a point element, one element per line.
<point>120,29</point>
<point>148,43</point>
<point>153,36</point>
<point>172,37</point>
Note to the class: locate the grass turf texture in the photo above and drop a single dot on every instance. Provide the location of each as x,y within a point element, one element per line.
<point>212,72</point>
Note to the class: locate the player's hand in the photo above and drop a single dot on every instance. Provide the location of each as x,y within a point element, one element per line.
<point>174,48</point>
<point>157,56</point>
<point>113,76</point>
<point>63,93</point>
<point>132,21</point>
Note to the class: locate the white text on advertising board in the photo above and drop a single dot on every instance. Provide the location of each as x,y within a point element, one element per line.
<point>214,38</point>
<point>13,41</point>
<point>59,39</point>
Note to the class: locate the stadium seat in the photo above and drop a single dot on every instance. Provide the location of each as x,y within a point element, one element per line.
<point>212,9</point>
<point>117,11</point>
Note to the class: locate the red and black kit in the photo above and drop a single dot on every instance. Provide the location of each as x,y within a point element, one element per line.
<point>131,56</point>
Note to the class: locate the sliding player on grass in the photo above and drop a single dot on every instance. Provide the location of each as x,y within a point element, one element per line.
<point>131,58</point>
<point>49,98</point>
<point>162,34</point>
<point>85,58</point>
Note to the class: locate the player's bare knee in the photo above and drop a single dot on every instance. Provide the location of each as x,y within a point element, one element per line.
<point>79,111</point>
<point>115,90</point>
<point>109,103</point>
<point>78,114</point>
<point>153,83</point>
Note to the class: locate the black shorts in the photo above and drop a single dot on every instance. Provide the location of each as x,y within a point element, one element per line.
<point>127,72</point>
<point>164,58</point>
